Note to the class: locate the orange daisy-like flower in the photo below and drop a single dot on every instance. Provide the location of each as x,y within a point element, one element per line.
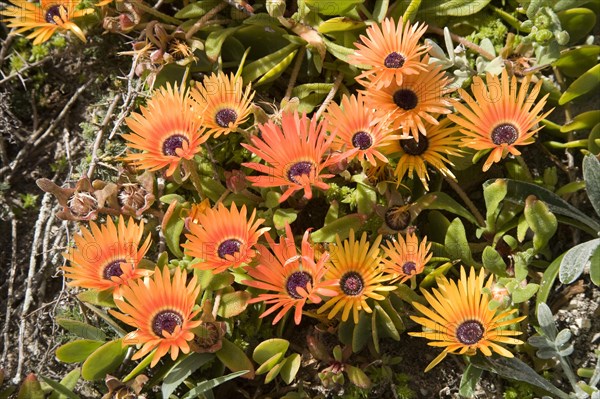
<point>356,127</point>
<point>167,131</point>
<point>161,309</point>
<point>223,238</point>
<point>393,52</point>
<point>294,152</point>
<point>406,258</point>
<point>294,278</point>
<point>44,19</point>
<point>431,149</point>
<point>223,102</point>
<point>461,321</point>
<point>358,269</point>
<point>500,117</point>
<point>414,100</point>
<point>107,256</point>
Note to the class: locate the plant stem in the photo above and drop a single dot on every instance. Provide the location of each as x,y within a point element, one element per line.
<point>295,71</point>
<point>466,200</point>
<point>215,309</point>
<point>521,162</point>
<point>156,13</point>
<point>336,85</point>
<point>463,41</point>
<point>194,176</point>
<point>202,21</point>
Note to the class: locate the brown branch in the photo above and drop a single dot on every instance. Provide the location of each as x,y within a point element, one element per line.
<point>463,41</point>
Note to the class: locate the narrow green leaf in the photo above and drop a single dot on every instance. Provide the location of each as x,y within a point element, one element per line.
<point>81,329</point>
<point>59,388</point>
<point>380,10</point>
<point>274,372</point>
<point>575,62</point>
<point>196,9</point>
<point>69,381</point>
<point>583,84</point>
<point>443,202</point>
<point>98,298</point>
<point>454,8</point>
<point>277,69</point>
<point>260,67</point>
<point>341,227</point>
<point>518,191</point>
<point>268,364</point>
<point>104,360</point>
<point>182,370</point>
<point>366,199</point>
<point>515,369</point>
<point>387,323</point>
<point>199,389</point>
<point>333,7</point>
<point>548,281</point>
<point>584,121</point>
<point>493,195</point>
<point>546,321</point>
<point>375,331</point>
<point>595,266</point>
<point>141,366</point>
<point>575,260</point>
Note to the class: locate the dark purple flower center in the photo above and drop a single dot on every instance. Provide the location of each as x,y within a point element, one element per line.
<point>395,219</point>
<point>413,147</point>
<point>225,116</point>
<point>394,60</point>
<point>362,140</point>
<point>173,143</point>
<point>229,247</point>
<point>166,320</point>
<point>295,280</point>
<point>113,269</point>
<point>352,284</point>
<point>409,268</point>
<point>470,332</point>
<point>299,169</point>
<point>504,134</point>
<point>406,99</point>
<point>53,11</point>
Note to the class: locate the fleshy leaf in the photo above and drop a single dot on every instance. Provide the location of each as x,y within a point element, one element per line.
<point>104,360</point>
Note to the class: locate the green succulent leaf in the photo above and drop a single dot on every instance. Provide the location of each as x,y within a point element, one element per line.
<point>30,388</point>
<point>584,121</point>
<point>60,389</point>
<point>69,382</point>
<point>453,8</point>
<point>235,359</point>
<point>77,351</point>
<point>577,61</point>
<point>583,84</point>
<point>104,360</point>
<point>214,42</point>
<point>290,368</point>
<point>281,217</point>
<point>233,303</point>
<point>469,380</point>
<point>340,227</point>
<point>456,243</point>
<point>357,377</point>
<point>269,348</point>
<point>542,222</point>
<point>578,22</point>
<point>362,332</point>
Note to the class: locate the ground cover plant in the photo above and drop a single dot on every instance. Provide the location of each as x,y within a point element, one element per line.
<point>300,199</point>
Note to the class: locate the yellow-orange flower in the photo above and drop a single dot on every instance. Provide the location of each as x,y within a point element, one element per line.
<point>461,320</point>
<point>107,256</point>
<point>44,19</point>
<point>224,238</point>
<point>161,309</point>
<point>431,149</point>
<point>500,117</point>
<point>358,269</point>
<point>419,98</point>
<point>224,104</point>
<point>295,278</point>
<point>391,51</point>
<point>294,153</point>
<point>357,128</point>
<point>406,258</point>
<point>167,131</point>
